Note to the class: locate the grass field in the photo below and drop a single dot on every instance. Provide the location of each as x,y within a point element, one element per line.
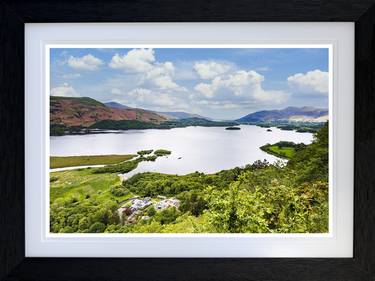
<point>73,161</point>
<point>82,183</point>
<point>282,152</point>
<point>288,152</point>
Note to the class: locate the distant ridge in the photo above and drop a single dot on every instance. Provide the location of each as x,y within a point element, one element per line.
<point>181,115</point>
<point>116,105</point>
<point>166,114</point>
<point>293,114</point>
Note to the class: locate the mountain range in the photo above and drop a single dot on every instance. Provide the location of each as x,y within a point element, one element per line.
<point>116,105</point>
<point>69,112</point>
<point>290,114</point>
<point>181,115</point>
<point>168,115</point>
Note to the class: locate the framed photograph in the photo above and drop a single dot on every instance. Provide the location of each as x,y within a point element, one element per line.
<point>186,150</point>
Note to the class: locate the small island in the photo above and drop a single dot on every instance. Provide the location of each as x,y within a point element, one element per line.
<point>232,128</point>
<point>283,149</point>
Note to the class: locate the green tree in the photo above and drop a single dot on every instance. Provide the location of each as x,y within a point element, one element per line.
<point>151,211</point>
<point>97,227</point>
<point>167,216</point>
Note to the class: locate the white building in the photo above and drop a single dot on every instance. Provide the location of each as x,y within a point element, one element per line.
<point>166,203</point>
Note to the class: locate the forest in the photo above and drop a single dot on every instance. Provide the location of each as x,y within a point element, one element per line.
<point>283,197</point>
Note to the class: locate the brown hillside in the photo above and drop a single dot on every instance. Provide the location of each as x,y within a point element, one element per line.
<point>86,111</point>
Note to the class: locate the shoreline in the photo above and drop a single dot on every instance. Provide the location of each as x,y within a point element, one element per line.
<point>281,126</point>
<point>53,170</point>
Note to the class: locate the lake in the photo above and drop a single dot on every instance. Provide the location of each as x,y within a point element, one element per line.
<point>203,149</point>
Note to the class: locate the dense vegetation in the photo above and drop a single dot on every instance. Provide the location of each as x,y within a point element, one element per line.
<point>71,161</point>
<point>180,123</point>
<point>123,125</point>
<point>195,121</point>
<point>257,198</point>
<point>60,130</point>
<point>162,152</point>
<point>144,152</point>
<point>126,167</point>
<point>300,127</point>
<point>283,149</point>
<point>122,168</point>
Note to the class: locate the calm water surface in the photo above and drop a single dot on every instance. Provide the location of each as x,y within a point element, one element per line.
<point>203,149</point>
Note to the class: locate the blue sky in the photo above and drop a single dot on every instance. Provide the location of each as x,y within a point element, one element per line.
<point>218,83</point>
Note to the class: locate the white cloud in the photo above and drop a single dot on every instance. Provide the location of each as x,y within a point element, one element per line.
<point>263,68</point>
<point>71,75</point>
<point>312,82</point>
<point>137,60</point>
<point>218,104</point>
<point>241,87</point>
<point>271,96</point>
<point>139,93</point>
<point>145,96</point>
<point>165,83</point>
<point>238,83</point>
<point>161,75</point>
<point>210,69</point>
<point>156,100</point>
<point>243,78</point>
<point>143,62</point>
<point>87,62</point>
<point>185,71</point>
<point>64,90</point>
<point>160,69</point>
<point>206,89</point>
<point>116,91</point>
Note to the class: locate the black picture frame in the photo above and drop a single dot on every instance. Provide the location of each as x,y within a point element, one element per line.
<point>13,263</point>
